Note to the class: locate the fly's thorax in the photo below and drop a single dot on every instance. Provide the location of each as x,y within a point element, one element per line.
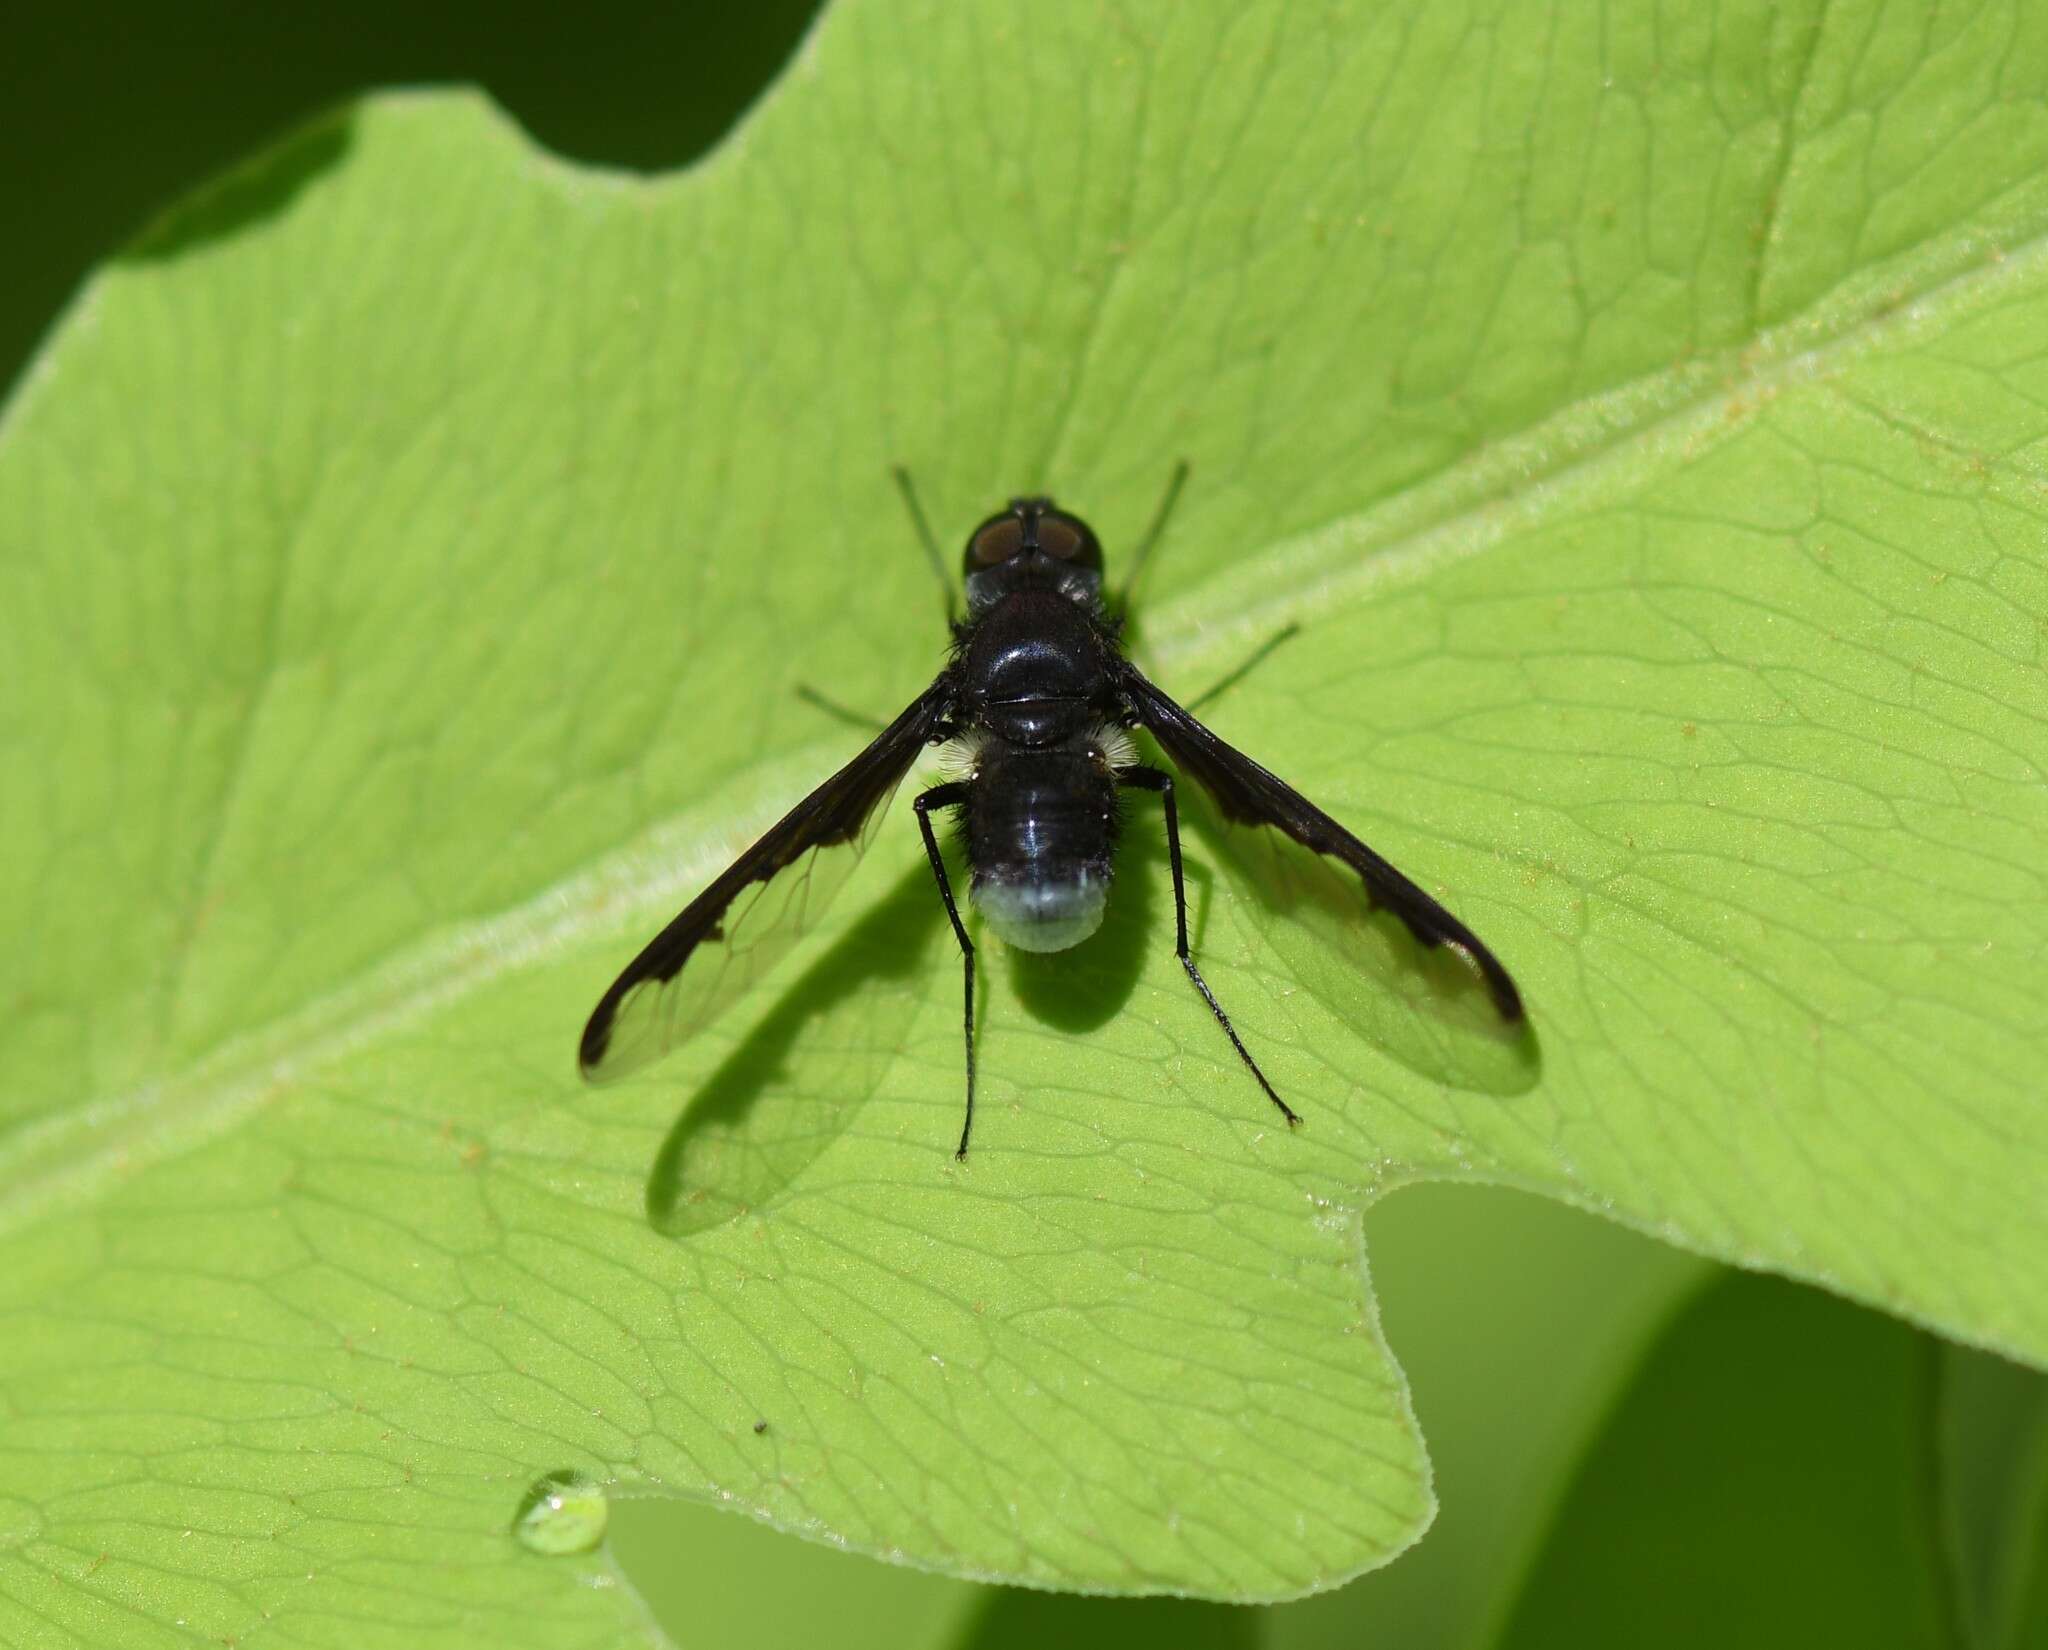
<point>988,587</point>
<point>1036,671</point>
<point>1041,725</point>
<point>1107,746</point>
<point>1034,644</point>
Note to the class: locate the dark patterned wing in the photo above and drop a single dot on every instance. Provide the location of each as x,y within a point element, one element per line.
<point>747,920</point>
<point>1249,795</point>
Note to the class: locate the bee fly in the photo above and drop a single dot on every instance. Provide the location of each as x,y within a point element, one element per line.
<point>1037,702</point>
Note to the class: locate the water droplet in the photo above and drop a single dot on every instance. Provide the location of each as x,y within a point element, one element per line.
<point>563,1513</point>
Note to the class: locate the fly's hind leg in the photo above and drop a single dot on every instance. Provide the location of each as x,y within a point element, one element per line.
<point>1153,779</point>
<point>947,796</point>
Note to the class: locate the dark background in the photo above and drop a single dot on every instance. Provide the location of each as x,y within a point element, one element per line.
<point>110,111</point>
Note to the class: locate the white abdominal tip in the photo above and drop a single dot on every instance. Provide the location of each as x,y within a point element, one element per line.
<point>1044,916</point>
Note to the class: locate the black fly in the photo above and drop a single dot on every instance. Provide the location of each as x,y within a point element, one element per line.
<point>1038,703</point>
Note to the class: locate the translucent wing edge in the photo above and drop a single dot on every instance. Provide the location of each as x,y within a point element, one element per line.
<point>629,1028</point>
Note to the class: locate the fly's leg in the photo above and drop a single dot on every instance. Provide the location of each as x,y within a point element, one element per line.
<point>924,535</point>
<point>1153,779</point>
<point>1143,553</point>
<point>948,796</point>
<point>833,708</point>
<point>1257,657</point>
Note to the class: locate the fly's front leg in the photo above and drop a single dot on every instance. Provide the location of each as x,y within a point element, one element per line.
<point>1258,656</point>
<point>833,708</point>
<point>1153,779</point>
<point>947,796</point>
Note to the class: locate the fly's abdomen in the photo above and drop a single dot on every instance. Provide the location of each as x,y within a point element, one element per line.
<point>1040,831</point>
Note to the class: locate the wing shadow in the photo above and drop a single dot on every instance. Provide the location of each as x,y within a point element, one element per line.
<point>747,1133</point>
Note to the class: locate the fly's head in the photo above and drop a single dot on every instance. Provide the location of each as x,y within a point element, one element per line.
<point>1034,543</point>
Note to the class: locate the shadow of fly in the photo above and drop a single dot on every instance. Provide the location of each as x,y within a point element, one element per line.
<point>1036,707</point>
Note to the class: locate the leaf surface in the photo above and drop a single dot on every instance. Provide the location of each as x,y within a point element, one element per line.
<point>408,558</point>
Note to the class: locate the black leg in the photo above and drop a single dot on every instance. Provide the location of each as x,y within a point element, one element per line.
<point>832,707</point>
<point>1258,657</point>
<point>1144,551</point>
<point>924,534</point>
<point>947,796</point>
<point>1153,779</point>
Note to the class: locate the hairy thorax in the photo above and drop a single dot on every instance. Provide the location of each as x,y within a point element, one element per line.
<point>1039,669</point>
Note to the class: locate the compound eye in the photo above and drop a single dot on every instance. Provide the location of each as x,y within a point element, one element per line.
<point>997,542</point>
<point>1057,537</point>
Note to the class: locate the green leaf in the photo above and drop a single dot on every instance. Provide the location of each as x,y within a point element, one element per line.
<point>643,88</point>
<point>1775,1477</point>
<point>1520,1324</point>
<point>711,1578</point>
<point>407,560</point>
<point>1471,1281</point>
<point>1018,1619</point>
<point>1990,1450</point>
